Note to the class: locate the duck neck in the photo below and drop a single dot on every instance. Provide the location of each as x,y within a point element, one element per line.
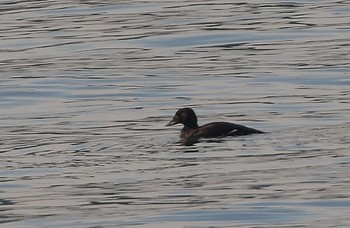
<point>191,126</point>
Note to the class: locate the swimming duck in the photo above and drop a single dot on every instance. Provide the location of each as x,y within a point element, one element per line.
<point>191,130</point>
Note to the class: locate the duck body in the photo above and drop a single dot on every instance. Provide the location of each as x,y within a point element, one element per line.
<point>191,130</point>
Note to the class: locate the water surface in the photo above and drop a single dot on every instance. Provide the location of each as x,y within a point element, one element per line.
<point>86,88</point>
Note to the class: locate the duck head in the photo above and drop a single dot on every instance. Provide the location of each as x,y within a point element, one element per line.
<point>185,116</point>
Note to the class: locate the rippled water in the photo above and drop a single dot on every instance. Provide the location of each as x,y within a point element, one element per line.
<point>87,87</point>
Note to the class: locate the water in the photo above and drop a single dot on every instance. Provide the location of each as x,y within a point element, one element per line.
<point>87,87</point>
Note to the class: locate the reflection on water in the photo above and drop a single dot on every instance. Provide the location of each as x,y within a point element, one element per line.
<point>87,87</point>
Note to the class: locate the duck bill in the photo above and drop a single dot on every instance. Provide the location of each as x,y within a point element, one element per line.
<point>171,123</point>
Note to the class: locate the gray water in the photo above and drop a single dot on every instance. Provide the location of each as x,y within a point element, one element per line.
<point>86,88</point>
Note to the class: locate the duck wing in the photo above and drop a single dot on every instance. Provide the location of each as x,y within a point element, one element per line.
<point>219,129</point>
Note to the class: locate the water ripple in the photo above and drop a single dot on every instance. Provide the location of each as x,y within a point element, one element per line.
<point>88,86</point>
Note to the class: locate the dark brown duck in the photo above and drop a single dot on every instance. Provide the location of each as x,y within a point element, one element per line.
<point>191,130</point>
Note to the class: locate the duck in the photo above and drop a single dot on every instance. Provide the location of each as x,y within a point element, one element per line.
<point>191,130</point>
